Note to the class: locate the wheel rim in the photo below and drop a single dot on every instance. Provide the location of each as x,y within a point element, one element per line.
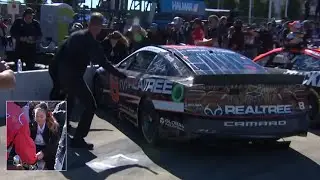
<point>148,127</point>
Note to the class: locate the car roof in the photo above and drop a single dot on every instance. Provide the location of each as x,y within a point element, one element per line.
<point>188,47</point>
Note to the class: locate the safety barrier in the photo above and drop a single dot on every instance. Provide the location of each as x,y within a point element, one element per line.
<point>34,85</point>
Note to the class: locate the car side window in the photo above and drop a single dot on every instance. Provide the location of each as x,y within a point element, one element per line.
<point>280,60</point>
<point>142,61</point>
<point>127,61</point>
<point>161,66</point>
<point>305,62</point>
<point>263,61</point>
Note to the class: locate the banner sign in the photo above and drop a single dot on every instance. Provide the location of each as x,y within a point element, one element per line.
<point>13,8</point>
<point>183,7</point>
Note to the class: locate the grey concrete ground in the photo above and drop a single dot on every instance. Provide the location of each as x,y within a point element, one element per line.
<point>120,153</point>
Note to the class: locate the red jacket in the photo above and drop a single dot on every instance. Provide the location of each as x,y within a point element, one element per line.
<point>18,134</point>
<point>197,35</point>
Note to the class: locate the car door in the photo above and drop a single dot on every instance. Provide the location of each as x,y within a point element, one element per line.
<point>128,93</point>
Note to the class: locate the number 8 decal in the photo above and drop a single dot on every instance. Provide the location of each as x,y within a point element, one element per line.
<point>114,89</point>
<point>301,106</point>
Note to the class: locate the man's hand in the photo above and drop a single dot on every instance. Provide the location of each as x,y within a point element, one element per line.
<point>3,66</point>
<point>40,155</point>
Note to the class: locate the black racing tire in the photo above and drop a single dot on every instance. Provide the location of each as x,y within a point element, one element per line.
<point>98,90</point>
<point>314,113</point>
<point>149,122</point>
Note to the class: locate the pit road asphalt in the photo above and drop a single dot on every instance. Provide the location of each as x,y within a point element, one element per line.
<point>120,153</point>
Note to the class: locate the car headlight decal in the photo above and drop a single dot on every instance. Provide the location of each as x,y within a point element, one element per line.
<point>177,93</point>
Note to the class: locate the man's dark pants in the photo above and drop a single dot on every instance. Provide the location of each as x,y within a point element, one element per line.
<point>76,88</point>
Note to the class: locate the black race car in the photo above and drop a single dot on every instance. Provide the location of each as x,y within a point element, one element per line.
<point>192,91</point>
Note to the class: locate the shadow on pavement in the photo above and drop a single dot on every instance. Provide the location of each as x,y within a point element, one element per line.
<point>77,159</point>
<point>197,160</point>
<point>101,130</point>
<point>316,132</point>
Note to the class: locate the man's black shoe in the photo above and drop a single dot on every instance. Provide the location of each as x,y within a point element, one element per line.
<point>81,143</point>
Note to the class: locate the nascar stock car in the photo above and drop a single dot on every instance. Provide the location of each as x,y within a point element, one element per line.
<point>302,61</point>
<point>192,91</point>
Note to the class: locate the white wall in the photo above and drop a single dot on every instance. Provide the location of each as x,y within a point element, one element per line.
<point>33,85</point>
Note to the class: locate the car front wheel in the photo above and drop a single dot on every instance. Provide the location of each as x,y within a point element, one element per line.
<point>149,122</point>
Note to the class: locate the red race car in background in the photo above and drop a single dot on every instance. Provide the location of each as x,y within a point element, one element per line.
<point>298,61</point>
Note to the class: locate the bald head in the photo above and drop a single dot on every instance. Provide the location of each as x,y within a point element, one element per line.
<point>96,18</point>
<point>95,23</point>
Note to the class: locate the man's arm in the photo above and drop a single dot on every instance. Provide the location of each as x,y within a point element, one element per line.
<point>98,56</point>
<point>7,79</point>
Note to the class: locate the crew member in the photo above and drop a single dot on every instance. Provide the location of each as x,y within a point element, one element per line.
<point>237,39</point>
<point>27,32</point>
<point>18,135</point>
<point>70,64</point>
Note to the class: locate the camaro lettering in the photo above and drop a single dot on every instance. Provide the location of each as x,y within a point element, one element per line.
<point>156,86</point>
<point>254,123</point>
<point>245,110</point>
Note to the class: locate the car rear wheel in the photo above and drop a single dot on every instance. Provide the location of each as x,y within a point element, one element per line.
<point>149,122</point>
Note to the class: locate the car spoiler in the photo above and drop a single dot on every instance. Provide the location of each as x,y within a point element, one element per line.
<point>254,79</point>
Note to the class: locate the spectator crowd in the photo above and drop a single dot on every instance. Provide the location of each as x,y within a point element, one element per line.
<point>118,41</point>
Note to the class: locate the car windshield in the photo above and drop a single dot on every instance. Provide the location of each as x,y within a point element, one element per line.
<point>220,62</point>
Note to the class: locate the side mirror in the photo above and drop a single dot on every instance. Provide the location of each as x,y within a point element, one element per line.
<point>16,160</point>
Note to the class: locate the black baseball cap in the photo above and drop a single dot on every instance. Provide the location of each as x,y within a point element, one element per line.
<point>28,11</point>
